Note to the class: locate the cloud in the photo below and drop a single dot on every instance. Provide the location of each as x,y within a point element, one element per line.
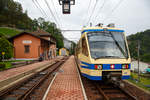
<point>131,15</point>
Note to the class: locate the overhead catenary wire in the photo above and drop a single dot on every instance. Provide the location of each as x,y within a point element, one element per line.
<point>92,12</point>
<point>117,5</point>
<point>87,12</point>
<point>99,11</point>
<point>52,13</point>
<point>56,12</point>
<point>39,8</point>
<point>73,38</point>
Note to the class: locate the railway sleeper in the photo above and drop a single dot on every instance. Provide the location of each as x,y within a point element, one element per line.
<point>28,85</point>
<point>119,98</point>
<point>112,92</point>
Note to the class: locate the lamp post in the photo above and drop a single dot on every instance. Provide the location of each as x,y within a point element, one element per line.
<point>138,53</point>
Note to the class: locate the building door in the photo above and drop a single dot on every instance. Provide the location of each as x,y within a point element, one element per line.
<point>39,47</point>
<point>45,54</point>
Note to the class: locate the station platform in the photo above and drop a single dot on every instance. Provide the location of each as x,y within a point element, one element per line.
<point>66,85</point>
<point>18,70</point>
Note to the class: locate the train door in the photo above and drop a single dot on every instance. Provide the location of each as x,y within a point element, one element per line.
<point>63,52</point>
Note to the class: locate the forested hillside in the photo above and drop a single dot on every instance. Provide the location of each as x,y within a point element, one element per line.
<point>9,32</point>
<point>144,38</point>
<point>13,16</point>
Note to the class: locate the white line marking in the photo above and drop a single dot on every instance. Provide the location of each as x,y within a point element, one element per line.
<point>83,90</point>
<point>46,93</point>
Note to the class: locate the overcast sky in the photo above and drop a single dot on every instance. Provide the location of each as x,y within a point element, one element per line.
<point>131,15</point>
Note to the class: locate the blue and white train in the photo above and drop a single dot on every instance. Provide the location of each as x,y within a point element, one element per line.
<point>103,53</point>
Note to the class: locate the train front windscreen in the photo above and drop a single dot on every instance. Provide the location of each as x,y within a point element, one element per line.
<point>107,45</point>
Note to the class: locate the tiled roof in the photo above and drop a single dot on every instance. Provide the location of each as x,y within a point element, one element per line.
<point>38,34</point>
<point>41,33</point>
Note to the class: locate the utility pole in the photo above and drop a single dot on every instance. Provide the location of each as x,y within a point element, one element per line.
<point>138,53</point>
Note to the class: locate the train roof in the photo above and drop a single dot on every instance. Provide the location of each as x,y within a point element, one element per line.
<point>91,29</point>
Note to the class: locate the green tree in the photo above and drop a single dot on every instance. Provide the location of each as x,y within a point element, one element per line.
<point>6,47</point>
<point>53,30</point>
<point>144,38</point>
<point>35,24</point>
<point>72,49</point>
<point>12,15</point>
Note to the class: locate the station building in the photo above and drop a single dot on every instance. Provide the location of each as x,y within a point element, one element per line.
<point>32,45</point>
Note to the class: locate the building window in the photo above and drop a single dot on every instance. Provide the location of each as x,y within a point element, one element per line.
<point>84,47</point>
<point>26,49</point>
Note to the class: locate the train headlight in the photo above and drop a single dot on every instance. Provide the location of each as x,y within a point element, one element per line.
<point>112,66</point>
<point>125,66</point>
<point>98,67</point>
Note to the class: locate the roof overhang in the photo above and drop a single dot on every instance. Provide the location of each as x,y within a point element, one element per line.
<point>11,38</point>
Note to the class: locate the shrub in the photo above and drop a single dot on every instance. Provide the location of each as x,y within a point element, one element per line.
<point>7,47</point>
<point>146,57</point>
<point>2,66</point>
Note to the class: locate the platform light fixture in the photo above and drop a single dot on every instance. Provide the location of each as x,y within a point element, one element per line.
<point>66,5</point>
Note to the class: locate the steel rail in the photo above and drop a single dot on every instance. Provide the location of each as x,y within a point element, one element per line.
<point>25,94</point>
<point>101,91</point>
<point>98,85</point>
<point>17,85</point>
<point>126,92</point>
<point>25,97</point>
<point>123,91</point>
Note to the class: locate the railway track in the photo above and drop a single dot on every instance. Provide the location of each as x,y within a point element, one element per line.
<point>113,92</point>
<point>100,90</point>
<point>34,87</point>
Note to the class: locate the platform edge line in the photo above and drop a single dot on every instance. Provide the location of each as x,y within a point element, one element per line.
<point>83,90</point>
<point>46,93</point>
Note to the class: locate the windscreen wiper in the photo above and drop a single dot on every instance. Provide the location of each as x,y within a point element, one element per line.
<point>106,57</point>
<point>119,45</point>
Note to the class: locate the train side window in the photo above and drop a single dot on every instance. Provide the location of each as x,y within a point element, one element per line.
<point>84,47</point>
<point>79,45</point>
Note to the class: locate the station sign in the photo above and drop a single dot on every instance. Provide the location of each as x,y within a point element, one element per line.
<point>26,41</point>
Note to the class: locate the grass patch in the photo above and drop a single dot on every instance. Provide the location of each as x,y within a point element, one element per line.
<point>7,65</point>
<point>8,32</point>
<point>143,83</point>
<point>17,60</point>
